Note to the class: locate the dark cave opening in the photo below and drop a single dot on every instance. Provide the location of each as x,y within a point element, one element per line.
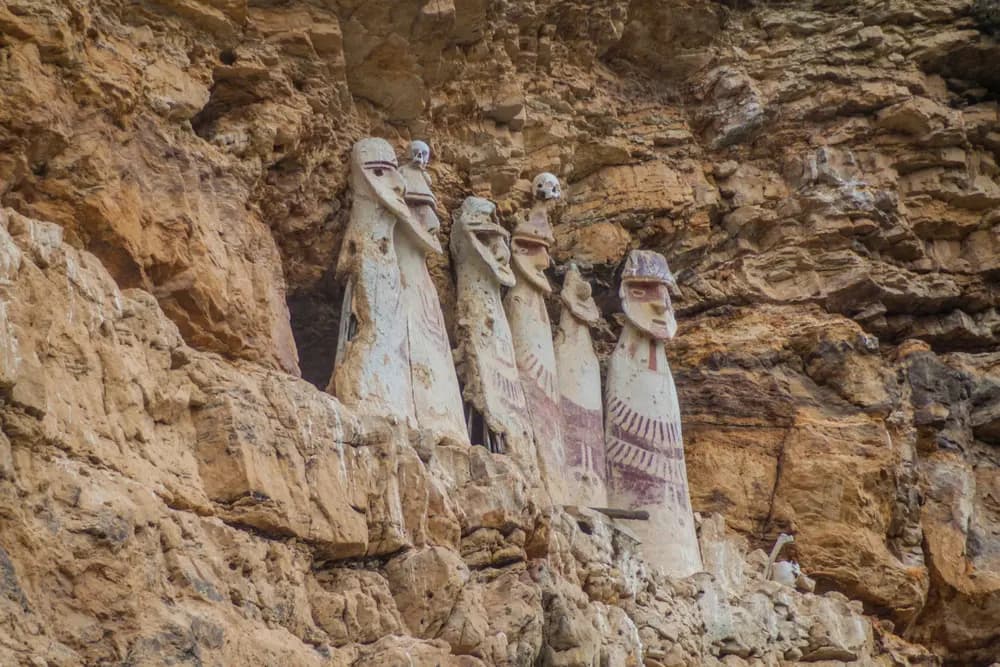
<point>315,319</point>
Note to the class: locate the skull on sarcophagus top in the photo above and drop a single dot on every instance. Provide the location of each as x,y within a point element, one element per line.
<point>532,335</point>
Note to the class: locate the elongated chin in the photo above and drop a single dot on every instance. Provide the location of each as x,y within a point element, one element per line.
<point>398,208</point>
<point>662,333</point>
<point>504,275</point>
<point>532,274</point>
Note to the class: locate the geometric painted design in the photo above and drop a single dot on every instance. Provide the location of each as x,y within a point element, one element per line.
<point>584,437</point>
<point>542,376</point>
<point>645,429</point>
<point>545,417</point>
<point>645,455</point>
<point>510,390</point>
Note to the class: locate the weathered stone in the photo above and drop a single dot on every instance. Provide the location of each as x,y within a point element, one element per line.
<point>426,585</point>
<point>213,176</point>
<point>353,606</point>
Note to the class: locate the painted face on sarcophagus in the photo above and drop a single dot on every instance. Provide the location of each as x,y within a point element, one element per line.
<point>424,228</point>
<point>577,297</point>
<point>530,248</point>
<point>477,236</point>
<point>645,294</point>
<point>375,175</point>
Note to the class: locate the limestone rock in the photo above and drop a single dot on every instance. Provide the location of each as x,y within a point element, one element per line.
<point>821,177</point>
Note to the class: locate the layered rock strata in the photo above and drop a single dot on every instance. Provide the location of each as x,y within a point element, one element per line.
<point>822,178</point>
<point>294,530</point>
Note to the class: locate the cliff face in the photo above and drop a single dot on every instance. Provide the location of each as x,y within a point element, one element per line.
<point>822,177</point>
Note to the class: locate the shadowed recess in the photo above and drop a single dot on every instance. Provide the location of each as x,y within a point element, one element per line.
<point>315,317</point>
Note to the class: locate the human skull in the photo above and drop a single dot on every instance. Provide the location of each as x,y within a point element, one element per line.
<point>420,153</point>
<point>546,186</point>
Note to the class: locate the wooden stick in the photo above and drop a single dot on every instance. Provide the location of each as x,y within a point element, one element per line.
<point>631,515</point>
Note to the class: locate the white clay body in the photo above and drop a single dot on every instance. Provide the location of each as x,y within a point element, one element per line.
<point>582,409</point>
<point>488,368</point>
<point>372,372</point>
<point>372,368</point>
<point>645,452</point>
<point>437,399</point>
<point>785,572</point>
<point>536,363</point>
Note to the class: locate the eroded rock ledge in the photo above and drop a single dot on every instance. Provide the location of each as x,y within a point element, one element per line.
<point>821,175</point>
<point>293,532</point>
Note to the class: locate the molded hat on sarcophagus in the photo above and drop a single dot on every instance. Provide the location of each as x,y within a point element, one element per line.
<point>647,265</point>
<point>536,228</point>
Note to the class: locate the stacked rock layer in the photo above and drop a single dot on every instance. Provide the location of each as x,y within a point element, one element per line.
<point>821,176</point>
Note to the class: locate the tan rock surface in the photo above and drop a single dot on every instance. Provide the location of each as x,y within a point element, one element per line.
<point>822,178</point>
<point>159,503</point>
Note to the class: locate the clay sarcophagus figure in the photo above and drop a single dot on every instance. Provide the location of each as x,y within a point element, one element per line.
<point>372,368</point>
<point>532,332</point>
<point>582,403</point>
<point>496,411</point>
<point>437,399</point>
<point>645,450</point>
